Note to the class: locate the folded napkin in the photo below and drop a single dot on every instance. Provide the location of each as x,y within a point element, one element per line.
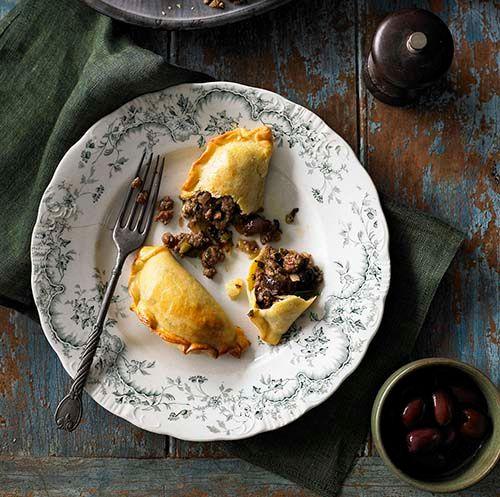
<point>63,67</point>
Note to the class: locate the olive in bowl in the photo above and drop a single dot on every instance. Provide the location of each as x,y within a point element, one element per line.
<point>436,424</point>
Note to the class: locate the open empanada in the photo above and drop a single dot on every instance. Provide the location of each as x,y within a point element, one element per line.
<point>281,285</point>
<point>173,304</point>
<point>233,164</point>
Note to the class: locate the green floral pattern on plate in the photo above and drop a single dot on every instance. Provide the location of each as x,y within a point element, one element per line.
<point>320,349</point>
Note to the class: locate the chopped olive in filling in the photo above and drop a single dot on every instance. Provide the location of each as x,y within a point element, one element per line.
<point>209,219</point>
<point>186,244</point>
<point>285,272</point>
<point>249,247</point>
<point>255,224</point>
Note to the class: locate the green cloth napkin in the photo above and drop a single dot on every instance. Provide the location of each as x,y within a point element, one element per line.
<point>63,67</point>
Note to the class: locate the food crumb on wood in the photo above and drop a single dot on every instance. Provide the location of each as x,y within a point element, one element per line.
<point>234,288</point>
<point>290,217</point>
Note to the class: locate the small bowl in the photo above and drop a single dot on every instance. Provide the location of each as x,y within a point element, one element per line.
<point>488,455</point>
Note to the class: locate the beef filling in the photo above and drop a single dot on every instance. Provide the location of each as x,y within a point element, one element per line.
<point>196,245</point>
<point>214,216</point>
<point>136,183</point>
<point>249,247</point>
<point>142,197</point>
<point>186,244</point>
<point>210,257</point>
<point>210,219</point>
<point>165,210</point>
<point>209,214</point>
<point>285,272</point>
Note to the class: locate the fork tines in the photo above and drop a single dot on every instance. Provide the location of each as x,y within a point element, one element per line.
<point>138,208</point>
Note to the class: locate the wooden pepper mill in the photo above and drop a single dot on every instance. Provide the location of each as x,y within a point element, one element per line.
<point>410,50</point>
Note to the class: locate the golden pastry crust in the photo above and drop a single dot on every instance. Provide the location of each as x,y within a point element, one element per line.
<point>235,164</point>
<point>173,304</point>
<point>275,321</point>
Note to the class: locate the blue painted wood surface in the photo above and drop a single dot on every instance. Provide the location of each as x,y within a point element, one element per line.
<point>441,156</point>
<point>75,477</point>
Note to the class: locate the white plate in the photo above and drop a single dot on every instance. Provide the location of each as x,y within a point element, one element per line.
<point>138,376</point>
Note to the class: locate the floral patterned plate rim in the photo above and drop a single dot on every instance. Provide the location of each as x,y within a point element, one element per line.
<point>136,375</point>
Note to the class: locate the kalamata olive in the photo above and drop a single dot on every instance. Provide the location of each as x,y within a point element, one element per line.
<point>423,440</point>
<point>475,423</point>
<point>252,224</point>
<point>465,395</point>
<point>443,407</point>
<point>413,412</point>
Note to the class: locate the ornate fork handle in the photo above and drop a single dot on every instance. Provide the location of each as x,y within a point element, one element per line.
<point>69,410</point>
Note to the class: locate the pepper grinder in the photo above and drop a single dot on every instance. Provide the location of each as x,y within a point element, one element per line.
<point>411,49</point>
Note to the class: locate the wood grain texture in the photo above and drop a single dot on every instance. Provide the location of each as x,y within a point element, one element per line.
<point>185,14</point>
<point>75,477</point>
<point>304,51</point>
<point>440,156</point>
<point>32,382</point>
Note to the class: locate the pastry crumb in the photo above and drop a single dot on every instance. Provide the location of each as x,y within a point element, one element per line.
<point>234,288</point>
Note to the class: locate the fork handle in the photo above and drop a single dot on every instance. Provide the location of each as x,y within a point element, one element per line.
<point>69,411</point>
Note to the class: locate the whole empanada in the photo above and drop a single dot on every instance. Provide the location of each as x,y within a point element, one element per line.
<point>235,164</point>
<point>173,304</point>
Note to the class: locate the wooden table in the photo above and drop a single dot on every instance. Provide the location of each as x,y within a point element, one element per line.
<point>438,157</point>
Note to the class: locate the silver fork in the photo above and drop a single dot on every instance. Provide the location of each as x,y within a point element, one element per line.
<point>129,233</point>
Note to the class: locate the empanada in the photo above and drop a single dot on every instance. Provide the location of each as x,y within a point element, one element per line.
<point>173,304</point>
<point>281,285</point>
<point>233,164</point>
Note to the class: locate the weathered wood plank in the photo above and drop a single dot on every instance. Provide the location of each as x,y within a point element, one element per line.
<point>75,477</point>
<point>440,157</point>
<point>32,381</point>
<point>6,6</point>
<point>305,51</point>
